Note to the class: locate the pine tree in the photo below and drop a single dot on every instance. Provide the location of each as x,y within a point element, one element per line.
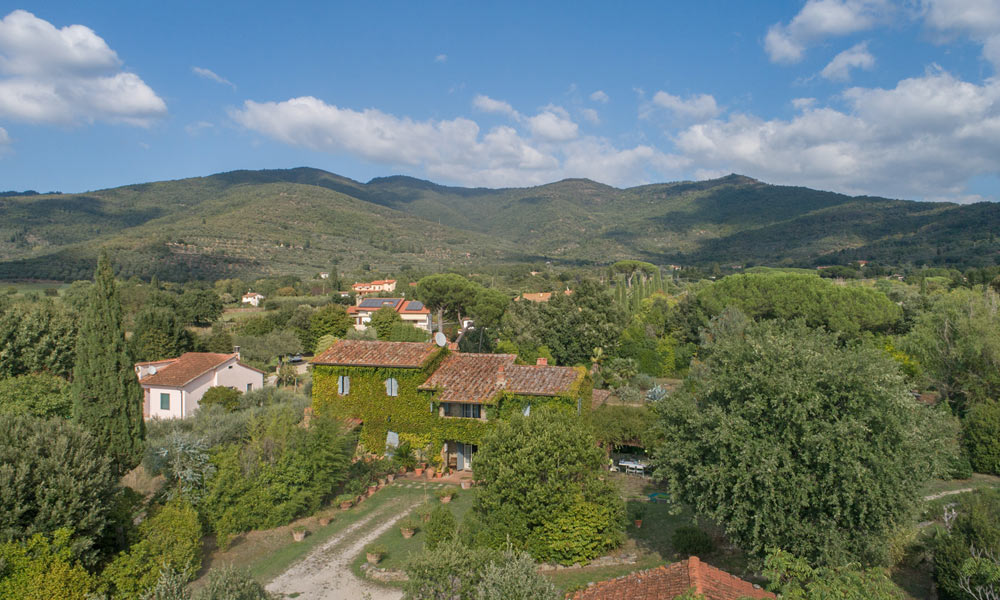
<point>107,399</point>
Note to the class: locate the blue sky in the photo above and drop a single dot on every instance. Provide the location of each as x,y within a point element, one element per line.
<point>859,96</point>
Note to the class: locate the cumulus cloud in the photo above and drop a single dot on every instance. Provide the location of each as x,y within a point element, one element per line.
<point>977,19</point>
<point>855,57</point>
<point>489,105</point>
<point>212,76</point>
<point>591,115</point>
<point>693,108</point>
<point>549,147</point>
<point>441,58</point>
<point>820,19</point>
<point>68,75</point>
<point>926,137</point>
<point>600,96</point>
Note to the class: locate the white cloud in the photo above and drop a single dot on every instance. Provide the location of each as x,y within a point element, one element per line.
<point>440,58</point>
<point>926,137</point>
<point>803,103</point>
<point>196,128</point>
<point>457,150</point>
<point>855,57</point>
<point>67,75</point>
<point>489,105</point>
<point>591,115</point>
<point>820,19</point>
<point>600,96</point>
<point>978,19</point>
<point>694,108</point>
<point>212,76</point>
<point>553,125</point>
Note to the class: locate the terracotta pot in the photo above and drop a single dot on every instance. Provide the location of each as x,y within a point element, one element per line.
<point>430,472</point>
<point>360,499</point>
<point>373,558</point>
<point>298,536</point>
<point>438,475</point>
<point>372,489</point>
<point>381,482</point>
<point>418,471</point>
<point>638,523</point>
<point>346,505</point>
<point>390,477</point>
<point>324,521</point>
<point>445,499</point>
<point>466,484</point>
<point>407,533</point>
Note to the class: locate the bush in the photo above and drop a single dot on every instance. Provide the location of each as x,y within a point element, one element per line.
<point>578,535</point>
<point>223,396</point>
<point>229,583</point>
<point>42,568</point>
<point>456,571</point>
<point>170,539</point>
<point>53,475</point>
<point>514,576</point>
<point>171,586</point>
<point>441,527</point>
<point>982,437</point>
<point>38,394</point>
<point>184,460</point>
<point>692,541</point>
<point>976,525</point>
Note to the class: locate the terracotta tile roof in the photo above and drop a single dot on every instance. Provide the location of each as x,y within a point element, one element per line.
<point>599,397</point>
<point>469,377</point>
<point>540,380</point>
<point>400,305</point>
<point>666,583</point>
<point>539,296</point>
<point>370,353</point>
<point>189,366</point>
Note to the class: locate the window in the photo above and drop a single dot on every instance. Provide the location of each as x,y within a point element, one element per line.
<point>391,387</point>
<point>249,387</point>
<point>164,401</point>
<point>343,385</point>
<point>472,411</point>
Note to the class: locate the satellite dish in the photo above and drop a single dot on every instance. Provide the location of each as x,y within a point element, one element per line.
<point>440,340</point>
<point>152,370</point>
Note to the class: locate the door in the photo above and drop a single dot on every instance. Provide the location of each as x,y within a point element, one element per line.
<point>460,453</point>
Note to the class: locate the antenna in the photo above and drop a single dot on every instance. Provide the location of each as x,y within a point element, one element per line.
<point>152,370</point>
<point>440,340</point>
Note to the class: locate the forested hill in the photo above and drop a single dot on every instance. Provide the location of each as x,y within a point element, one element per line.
<point>303,220</point>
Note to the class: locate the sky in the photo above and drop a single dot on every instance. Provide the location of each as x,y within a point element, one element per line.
<point>890,98</point>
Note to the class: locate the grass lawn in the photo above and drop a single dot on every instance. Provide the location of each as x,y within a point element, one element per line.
<point>399,549</point>
<point>977,481</point>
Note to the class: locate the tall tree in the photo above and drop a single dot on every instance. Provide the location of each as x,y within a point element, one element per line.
<point>447,292</point>
<point>107,399</point>
<point>159,334</point>
<point>383,321</point>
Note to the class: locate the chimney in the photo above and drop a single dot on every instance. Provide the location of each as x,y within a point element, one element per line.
<point>501,377</point>
<point>542,361</point>
<point>236,351</point>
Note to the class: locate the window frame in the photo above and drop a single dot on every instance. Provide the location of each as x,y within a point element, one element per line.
<point>343,385</point>
<point>164,398</point>
<point>391,387</point>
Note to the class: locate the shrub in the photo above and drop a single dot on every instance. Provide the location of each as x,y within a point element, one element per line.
<point>578,535</point>
<point>982,437</point>
<point>376,549</point>
<point>170,586</point>
<point>448,490</point>
<point>441,527</point>
<point>230,583</point>
<point>184,460</point>
<point>53,475</point>
<point>692,541</point>
<point>37,394</point>
<point>974,526</point>
<point>514,576</point>
<point>42,568</point>
<point>170,539</point>
<point>223,396</point>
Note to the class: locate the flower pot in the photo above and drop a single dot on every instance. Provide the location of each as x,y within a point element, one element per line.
<point>445,499</point>
<point>298,536</point>
<point>407,533</point>
<point>390,477</point>
<point>360,499</point>
<point>438,475</point>
<point>418,471</point>
<point>373,558</point>
<point>466,484</point>
<point>381,482</point>
<point>430,472</point>
<point>324,521</point>
<point>638,523</point>
<point>346,505</point>
<point>371,490</point>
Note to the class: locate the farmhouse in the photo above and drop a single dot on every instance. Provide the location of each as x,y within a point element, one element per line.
<point>411,311</point>
<point>440,402</point>
<point>253,298</point>
<point>379,285</point>
<point>173,387</point>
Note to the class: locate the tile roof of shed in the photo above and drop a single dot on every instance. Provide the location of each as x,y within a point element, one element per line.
<point>468,377</point>
<point>540,380</point>
<point>370,353</point>
<point>184,369</point>
<point>666,583</point>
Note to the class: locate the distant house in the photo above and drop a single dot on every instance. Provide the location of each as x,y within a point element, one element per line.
<point>253,298</point>
<point>412,311</point>
<point>379,285</point>
<point>173,387</point>
<point>429,395</point>
<point>540,296</point>
<point>669,582</point>
<point>324,275</point>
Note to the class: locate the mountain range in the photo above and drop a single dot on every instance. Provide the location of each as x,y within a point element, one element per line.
<point>299,221</point>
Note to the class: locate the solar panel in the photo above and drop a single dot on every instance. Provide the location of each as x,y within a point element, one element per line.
<point>372,303</point>
<point>415,305</point>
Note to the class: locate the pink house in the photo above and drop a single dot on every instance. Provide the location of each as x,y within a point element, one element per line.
<point>173,387</point>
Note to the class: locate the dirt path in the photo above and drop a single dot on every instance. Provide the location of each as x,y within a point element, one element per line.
<point>325,573</point>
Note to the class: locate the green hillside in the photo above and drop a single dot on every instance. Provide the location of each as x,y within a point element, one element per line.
<point>303,220</point>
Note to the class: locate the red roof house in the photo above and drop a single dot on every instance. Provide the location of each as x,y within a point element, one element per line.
<point>668,582</point>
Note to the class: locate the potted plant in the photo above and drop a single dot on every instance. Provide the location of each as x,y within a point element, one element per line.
<point>345,501</point>
<point>466,484</point>
<point>372,489</point>
<point>390,477</point>
<point>298,533</point>
<point>374,553</point>
<point>637,511</point>
<point>430,472</point>
<point>325,520</point>
<point>445,494</point>
<point>418,470</point>
<point>408,527</point>
<point>425,513</point>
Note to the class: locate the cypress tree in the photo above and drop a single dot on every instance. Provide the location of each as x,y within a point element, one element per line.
<point>107,398</point>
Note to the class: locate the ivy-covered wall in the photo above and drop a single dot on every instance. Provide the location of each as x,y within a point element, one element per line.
<point>413,414</point>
